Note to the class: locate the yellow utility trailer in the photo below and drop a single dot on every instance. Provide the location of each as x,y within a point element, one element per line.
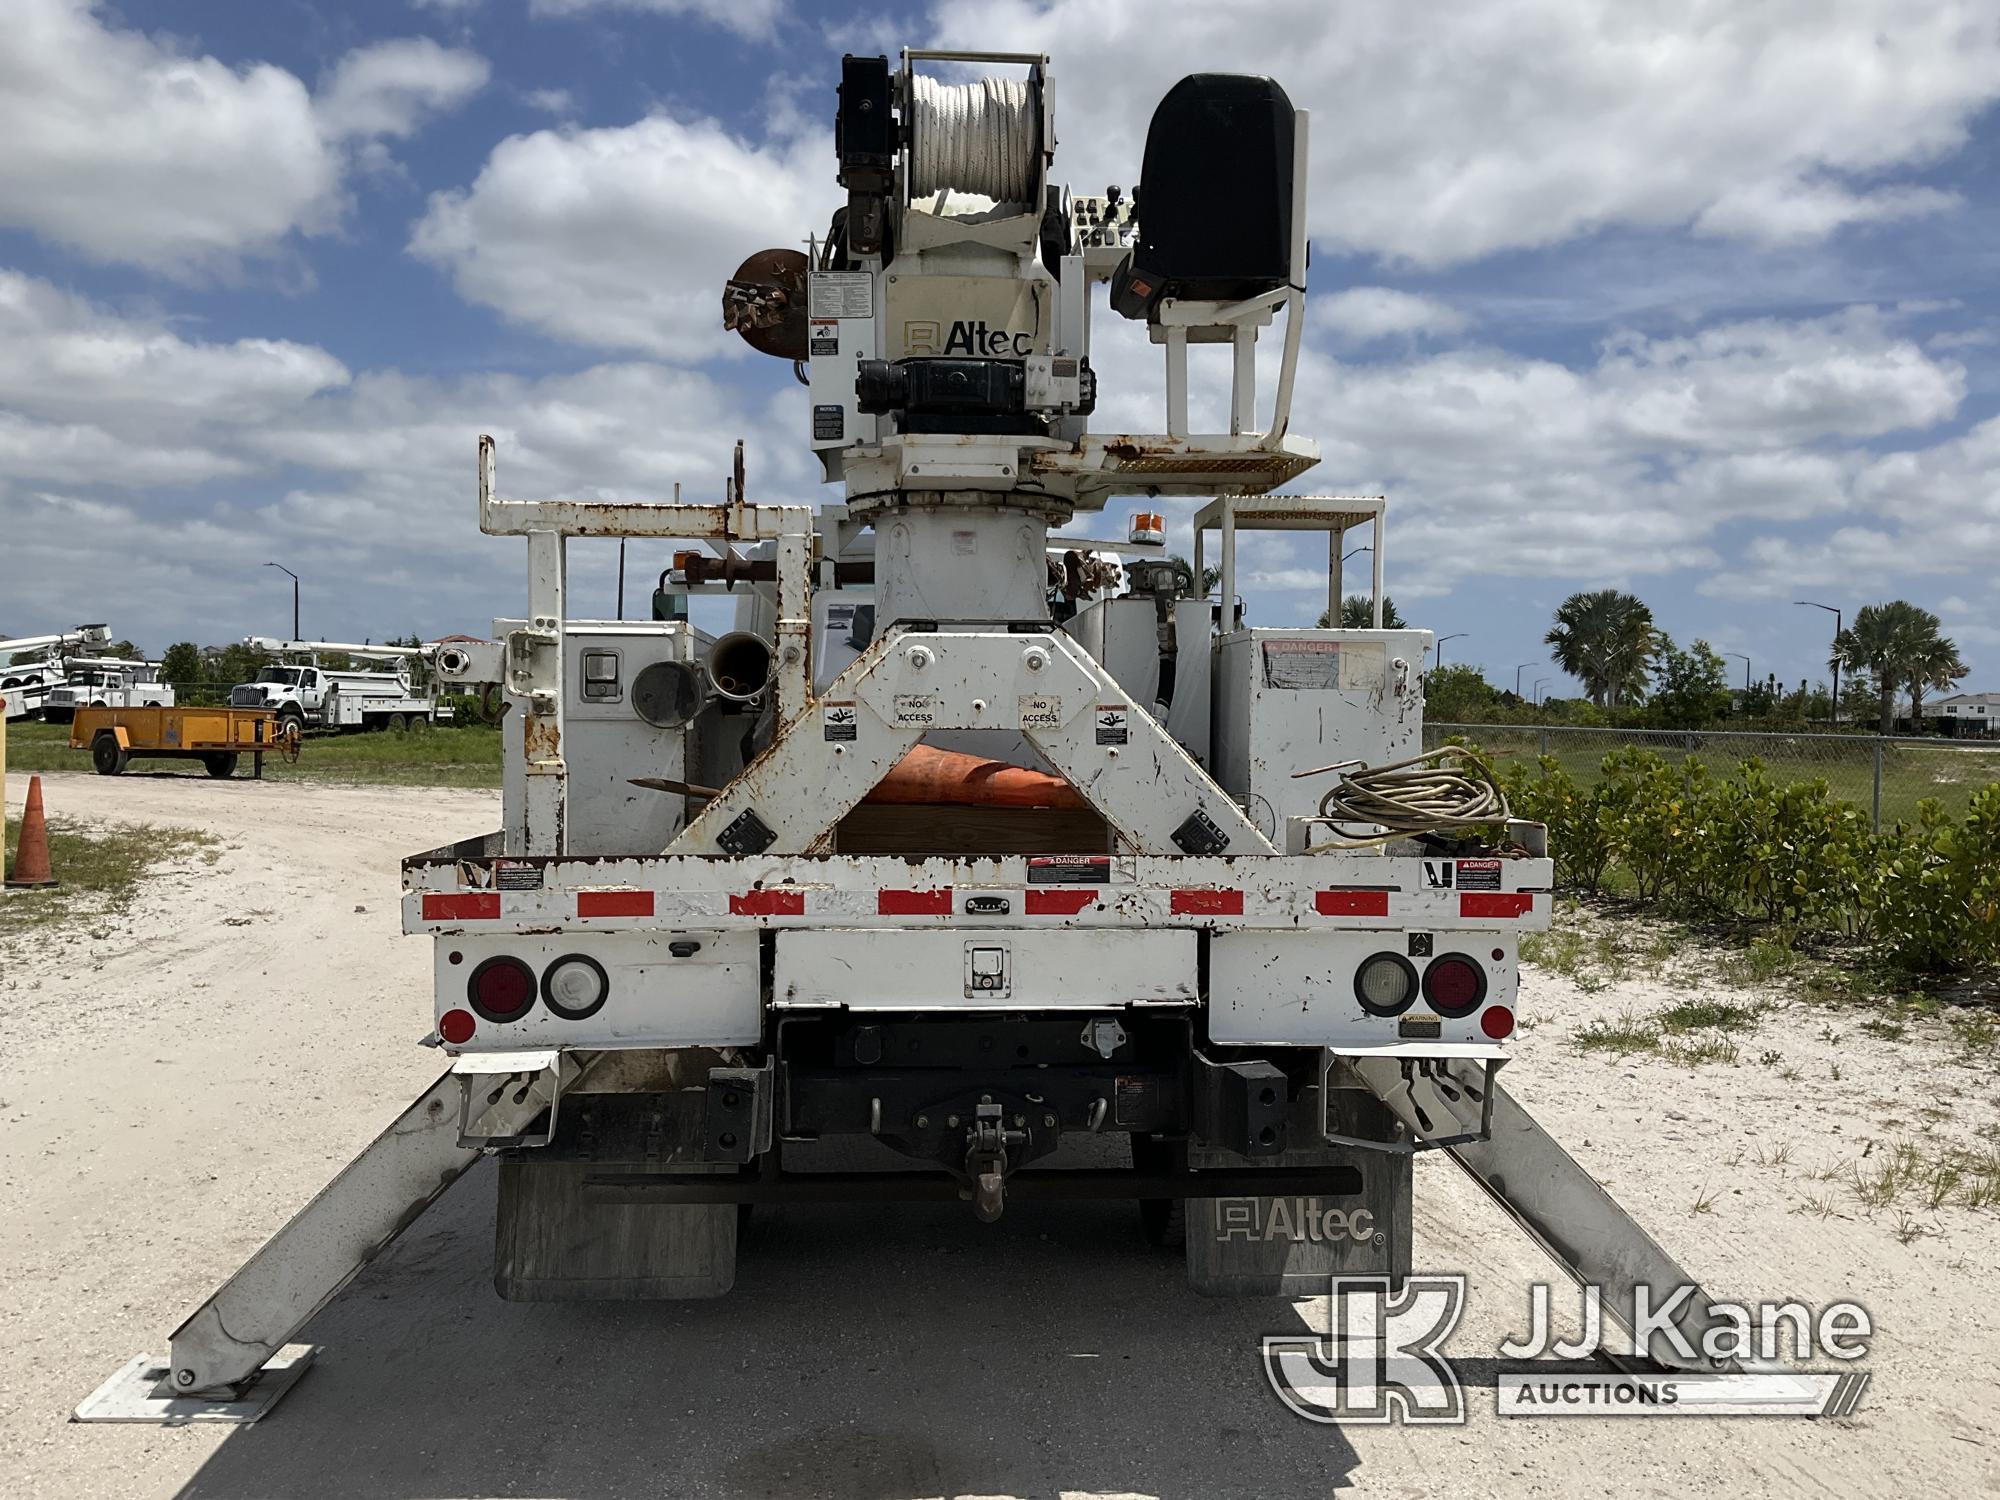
<point>217,737</point>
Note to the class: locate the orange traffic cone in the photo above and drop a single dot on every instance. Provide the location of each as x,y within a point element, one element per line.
<point>31,854</point>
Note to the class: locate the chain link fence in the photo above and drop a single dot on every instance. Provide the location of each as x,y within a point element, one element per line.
<point>1889,776</point>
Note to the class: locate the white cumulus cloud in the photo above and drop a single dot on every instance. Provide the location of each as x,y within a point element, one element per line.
<point>1443,134</point>
<point>621,238</point>
<point>127,148</point>
<point>388,88</point>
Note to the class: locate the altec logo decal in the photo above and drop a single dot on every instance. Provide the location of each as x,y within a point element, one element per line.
<point>974,337</point>
<point>1300,1220</point>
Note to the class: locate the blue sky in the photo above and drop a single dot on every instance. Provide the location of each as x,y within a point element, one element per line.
<point>1695,299</point>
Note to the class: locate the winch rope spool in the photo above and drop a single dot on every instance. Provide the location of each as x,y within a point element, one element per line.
<point>980,137</point>
<point>1447,790</point>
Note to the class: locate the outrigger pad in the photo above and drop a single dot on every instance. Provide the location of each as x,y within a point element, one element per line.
<point>143,1392</point>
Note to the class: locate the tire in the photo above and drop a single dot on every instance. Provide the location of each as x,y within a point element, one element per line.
<point>398,723</point>
<point>106,757</point>
<point>220,764</point>
<point>292,716</point>
<point>58,715</point>
<point>419,724</point>
<point>1163,1221</point>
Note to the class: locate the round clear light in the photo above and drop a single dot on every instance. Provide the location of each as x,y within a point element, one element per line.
<point>1385,984</point>
<point>575,987</point>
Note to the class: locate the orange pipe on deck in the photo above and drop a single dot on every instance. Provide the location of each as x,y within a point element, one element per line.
<point>950,776</point>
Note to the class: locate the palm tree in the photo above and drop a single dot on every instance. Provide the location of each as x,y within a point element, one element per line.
<point>1936,665</point>
<point>1357,612</point>
<point>1897,644</point>
<point>1606,640</point>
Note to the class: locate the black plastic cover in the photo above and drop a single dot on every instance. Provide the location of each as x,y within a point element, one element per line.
<point>1215,198</point>
<point>864,132</point>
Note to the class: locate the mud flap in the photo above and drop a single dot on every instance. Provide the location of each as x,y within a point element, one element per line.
<point>1289,1247</point>
<point>553,1243</point>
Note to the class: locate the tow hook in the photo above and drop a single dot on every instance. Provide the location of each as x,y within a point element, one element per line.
<point>986,1148</point>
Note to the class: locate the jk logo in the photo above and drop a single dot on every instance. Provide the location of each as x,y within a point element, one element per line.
<point>1382,1360</point>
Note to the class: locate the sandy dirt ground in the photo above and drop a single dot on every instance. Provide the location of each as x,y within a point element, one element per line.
<point>170,1092</point>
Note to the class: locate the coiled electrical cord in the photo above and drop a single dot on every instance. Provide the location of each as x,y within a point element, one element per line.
<point>1448,790</point>
<point>979,137</point>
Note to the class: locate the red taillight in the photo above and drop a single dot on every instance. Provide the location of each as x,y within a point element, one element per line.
<point>1454,985</point>
<point>1498,1022</point>
<point>501,989</point>
<point>457,1026</point>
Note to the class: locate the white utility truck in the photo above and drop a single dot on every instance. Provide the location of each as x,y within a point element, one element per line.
<point>944,857</point>
<point>301,690</point>
<point>106,682</point>
<point>26,683</point>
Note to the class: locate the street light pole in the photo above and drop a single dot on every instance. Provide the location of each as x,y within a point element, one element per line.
<point>295,594</point>
<point>1517,676</point>
<point>1540,683</point>
<point>1834,660</point>
<point>1746,669</point>
<point>1456,635</point>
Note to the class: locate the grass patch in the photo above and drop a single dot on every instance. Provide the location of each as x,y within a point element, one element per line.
<point>100,870</point>
<point>1627,1034</point>
<point>1909,1174</point>
<point>1693,1054</point>
<point>459,755</point>
<point>1683,1033</point>
<point>1706,1015</point>
<point>1764,960</point>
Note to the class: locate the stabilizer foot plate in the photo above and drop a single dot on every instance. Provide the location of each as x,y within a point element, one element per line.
<point>141,1392</point>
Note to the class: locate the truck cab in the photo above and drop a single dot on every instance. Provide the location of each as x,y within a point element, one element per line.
<point>107,683</point>
<point>295,693</point>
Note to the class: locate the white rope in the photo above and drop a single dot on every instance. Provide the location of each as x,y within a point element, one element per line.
<point>975,138</point>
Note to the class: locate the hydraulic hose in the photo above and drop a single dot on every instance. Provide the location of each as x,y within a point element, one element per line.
<point>1448,790</point>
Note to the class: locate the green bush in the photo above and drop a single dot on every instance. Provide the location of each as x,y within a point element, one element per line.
<point>1938,893</point>
<point>1792,856</point>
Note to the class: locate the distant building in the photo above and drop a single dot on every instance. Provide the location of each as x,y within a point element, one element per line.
<point>1971,713</point>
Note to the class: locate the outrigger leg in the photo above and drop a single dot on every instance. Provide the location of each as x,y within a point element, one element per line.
<point>1553,1200</point>
<point>229,1360</point>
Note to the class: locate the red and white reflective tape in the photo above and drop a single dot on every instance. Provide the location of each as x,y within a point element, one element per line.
<point>1491,904</point>
<point>461,906</point>
<point>614,903</point>
<point>1058,900</point>
<point>1204,903</point>
<point>1346,903</point>
<point>913,903</point>
<point>773,903</point>
<point>1138,904</point>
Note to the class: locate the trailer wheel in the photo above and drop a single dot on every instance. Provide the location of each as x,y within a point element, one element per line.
<point>398,723</point>
<point>107,756</point>
<point>220,763</point>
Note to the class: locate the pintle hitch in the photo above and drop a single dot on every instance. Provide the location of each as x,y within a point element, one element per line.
<point>987,1141</point>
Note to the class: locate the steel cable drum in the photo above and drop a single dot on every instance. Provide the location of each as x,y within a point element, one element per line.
<point>981,137</point>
